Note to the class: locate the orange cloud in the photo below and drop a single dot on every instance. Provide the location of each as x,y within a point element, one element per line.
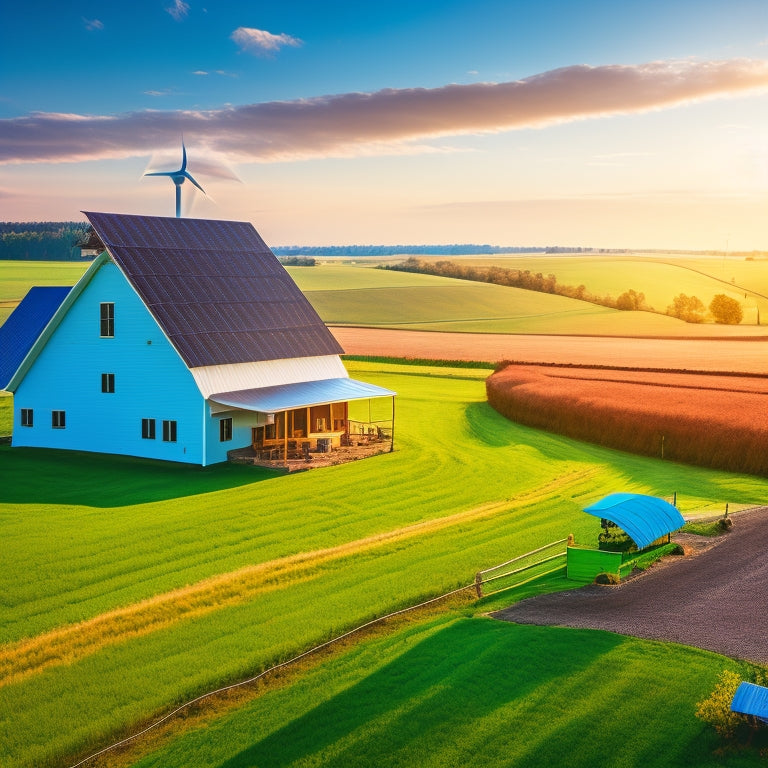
<point>387,120</point>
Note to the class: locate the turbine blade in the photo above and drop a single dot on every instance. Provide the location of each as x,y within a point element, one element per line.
<point>183,156</point>
<point>161,173</point>
<point>188,176</point>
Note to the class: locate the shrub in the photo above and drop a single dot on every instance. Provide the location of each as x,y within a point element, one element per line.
<point>607,578</point>
<point>615,540</point>
<point>724,524</point>
<point>715,710</point>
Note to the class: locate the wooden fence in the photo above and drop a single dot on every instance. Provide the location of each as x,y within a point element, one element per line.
<point>509,578</point>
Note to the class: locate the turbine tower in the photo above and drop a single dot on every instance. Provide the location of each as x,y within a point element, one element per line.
<point>178,178</point>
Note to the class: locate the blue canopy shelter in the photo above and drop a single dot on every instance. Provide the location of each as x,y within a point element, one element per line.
<point>643,518</point>
<point>751,699</point>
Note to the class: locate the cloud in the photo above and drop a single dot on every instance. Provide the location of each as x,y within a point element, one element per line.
<point>178,10</point>
<point>261,42</point>
<point>384,121</point>
<point>93,25</point>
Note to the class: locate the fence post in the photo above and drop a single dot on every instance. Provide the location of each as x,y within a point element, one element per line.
<point>479,584</point>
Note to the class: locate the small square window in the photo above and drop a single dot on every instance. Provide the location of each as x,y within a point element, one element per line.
<point>225,430</point>
<point>58,419</point>
<point>108,382</point>
<point>107,320</point>
<point>169,431</point>
<point>148,429</point>
<point>27,417</point>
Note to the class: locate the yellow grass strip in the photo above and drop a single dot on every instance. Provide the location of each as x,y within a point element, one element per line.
<point>70,643</point>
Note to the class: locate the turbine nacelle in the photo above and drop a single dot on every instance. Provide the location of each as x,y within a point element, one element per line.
<point>178,178</point>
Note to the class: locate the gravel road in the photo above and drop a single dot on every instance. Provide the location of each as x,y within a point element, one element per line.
<point>716,599</point>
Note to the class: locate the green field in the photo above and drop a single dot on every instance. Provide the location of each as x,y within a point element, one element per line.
<point>462,692</point>
<point>359,294</point>
<point>660,277</point>
<point>183,579</point>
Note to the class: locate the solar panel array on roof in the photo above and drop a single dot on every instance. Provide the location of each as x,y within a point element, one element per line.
<point>25,324</point>
<point>216,289</point>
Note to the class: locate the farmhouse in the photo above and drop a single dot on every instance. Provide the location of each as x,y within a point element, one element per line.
<point>184,339</point>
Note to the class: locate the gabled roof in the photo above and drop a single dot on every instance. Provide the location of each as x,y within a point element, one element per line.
<point>217,291</point>
<point>643,518</point>
<point>25,324</point>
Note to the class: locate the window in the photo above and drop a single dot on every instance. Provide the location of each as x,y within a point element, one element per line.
<point>148,429</point>
<point>58,419</point>
<point>169,431</point>
<point>225,430</point>
<point>27,417</point>
<point>107,320</point>
<point>108,382</point>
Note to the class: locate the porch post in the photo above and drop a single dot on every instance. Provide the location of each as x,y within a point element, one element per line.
<point>392,439</point>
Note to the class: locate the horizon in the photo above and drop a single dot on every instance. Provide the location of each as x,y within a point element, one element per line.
<point>437,122</point>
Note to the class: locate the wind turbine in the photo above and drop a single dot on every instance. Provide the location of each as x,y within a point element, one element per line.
<point>178,178</point>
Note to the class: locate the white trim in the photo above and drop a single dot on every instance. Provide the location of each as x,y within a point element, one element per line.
<point>233,377</point>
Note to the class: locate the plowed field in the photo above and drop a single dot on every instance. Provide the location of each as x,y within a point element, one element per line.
<point>746,356</point>
<point>711,420</point>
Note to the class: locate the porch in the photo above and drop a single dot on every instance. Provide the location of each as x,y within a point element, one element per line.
<point>360,441</point>
<point>316,423</point>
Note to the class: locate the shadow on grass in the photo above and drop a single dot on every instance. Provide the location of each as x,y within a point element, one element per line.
<point>410,707</point>
<point>46,476</point>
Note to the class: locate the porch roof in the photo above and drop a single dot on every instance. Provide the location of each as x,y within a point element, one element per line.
<point>284,397</point>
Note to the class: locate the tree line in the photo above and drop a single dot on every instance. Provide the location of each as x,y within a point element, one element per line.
<point>722,308</point>
<point>41,240</point>
<point>520,278</point>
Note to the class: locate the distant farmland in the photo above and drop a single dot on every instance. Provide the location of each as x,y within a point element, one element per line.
<point>708,420</point>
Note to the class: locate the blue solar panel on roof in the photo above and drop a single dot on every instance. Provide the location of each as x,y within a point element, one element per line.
<point>216,289</point>
<point>24,325</point>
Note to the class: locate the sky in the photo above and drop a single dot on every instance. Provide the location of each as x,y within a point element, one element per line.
<point>594,123</point>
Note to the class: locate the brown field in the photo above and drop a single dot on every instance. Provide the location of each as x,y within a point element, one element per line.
<point>722,355</point>
<point>710,420</point>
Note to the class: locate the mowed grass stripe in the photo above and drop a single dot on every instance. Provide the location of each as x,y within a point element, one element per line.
<point>68,644</point>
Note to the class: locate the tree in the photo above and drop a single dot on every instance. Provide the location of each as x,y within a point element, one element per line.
<point>631,300</point>
<point>725,310</point>
<point>687,308</point>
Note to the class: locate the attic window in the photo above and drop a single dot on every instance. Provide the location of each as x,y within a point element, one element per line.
<point>107,314</point>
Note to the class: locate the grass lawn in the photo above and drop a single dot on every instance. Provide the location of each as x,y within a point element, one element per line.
<point>456,691</point>
<point>185,579</point>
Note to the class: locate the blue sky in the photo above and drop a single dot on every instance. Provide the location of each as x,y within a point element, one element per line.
<point>613,124</point>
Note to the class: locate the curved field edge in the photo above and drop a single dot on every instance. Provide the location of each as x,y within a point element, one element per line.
<point>702,419</point>
<point>459,691</point>
<point>453,453</point>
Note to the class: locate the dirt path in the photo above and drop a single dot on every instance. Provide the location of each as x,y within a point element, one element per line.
<point>746,356</point>
<point>716,599</point>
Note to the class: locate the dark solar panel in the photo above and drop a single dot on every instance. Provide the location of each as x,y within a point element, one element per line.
<point>215,288</point>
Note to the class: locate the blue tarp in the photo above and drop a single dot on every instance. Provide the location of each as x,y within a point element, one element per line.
<point>643,518</point>
<point>23,326</point>
<point>751,699</point>
<point>284,397</point>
